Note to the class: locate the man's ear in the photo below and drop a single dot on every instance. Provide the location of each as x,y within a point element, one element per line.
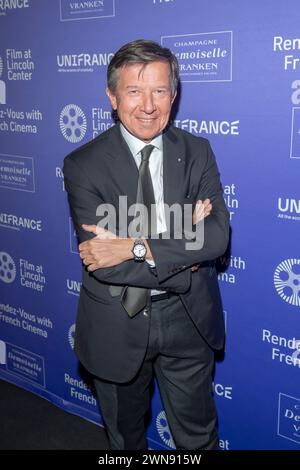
<point>112,98</point>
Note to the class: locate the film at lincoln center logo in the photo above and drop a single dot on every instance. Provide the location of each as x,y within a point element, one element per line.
<point>72,123</point>
<point>287,281</point>
<point>163,429</point>
<point>7,268</point>
<point>2,85</point>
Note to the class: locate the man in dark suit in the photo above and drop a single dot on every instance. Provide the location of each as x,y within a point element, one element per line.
<point>148,302</point>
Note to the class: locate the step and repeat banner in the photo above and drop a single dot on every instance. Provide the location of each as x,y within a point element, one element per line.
<point>240,88</point>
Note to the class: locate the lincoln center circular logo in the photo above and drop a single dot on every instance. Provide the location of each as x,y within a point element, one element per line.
<point>163,429</point>
<point>287,281</point>
<point>71,334</point>
<point>7,268</point>
<point>1,66</point>
<point>72,123</point>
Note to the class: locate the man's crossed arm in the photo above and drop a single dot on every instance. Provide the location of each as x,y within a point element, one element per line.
<point>106,249</point>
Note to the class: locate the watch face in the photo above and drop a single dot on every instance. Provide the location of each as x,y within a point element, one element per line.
<point>139,250</point>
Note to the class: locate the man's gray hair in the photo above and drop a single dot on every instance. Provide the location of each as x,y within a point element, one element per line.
<point>142,51</point>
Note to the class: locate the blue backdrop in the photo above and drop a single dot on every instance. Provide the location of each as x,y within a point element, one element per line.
<point>240,88</point>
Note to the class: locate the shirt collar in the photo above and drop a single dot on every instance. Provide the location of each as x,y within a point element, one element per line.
<point>136,145</point>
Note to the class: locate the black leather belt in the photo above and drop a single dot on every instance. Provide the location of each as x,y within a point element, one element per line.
<point>163,296</point>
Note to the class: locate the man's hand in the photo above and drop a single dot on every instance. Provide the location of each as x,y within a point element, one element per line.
<point>104,250</point>
<point>202,210</point>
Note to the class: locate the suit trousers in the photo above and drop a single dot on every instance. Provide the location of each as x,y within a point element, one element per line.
<point>182,363</point>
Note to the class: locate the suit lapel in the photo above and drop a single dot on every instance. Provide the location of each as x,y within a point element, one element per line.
<point>123,164</point>
<point>173,167</point>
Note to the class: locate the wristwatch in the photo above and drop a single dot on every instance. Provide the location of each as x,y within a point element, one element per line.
<point>139,250</point>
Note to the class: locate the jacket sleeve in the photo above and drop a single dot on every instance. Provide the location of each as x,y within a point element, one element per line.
<point>84,199</point>
<point>171,255</point>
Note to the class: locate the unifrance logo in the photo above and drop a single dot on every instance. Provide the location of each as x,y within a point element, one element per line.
<point>163,429</point>
<point>287,281</point>
<point>7,268</point>
<point>73,123</point>
<point>83,62</point>
<point>289,208</point>
<point>10,5</point>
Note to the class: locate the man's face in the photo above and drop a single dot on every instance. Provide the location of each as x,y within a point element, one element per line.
<point>143,98</point>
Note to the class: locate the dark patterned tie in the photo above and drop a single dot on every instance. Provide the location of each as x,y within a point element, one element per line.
<point>134,299</point>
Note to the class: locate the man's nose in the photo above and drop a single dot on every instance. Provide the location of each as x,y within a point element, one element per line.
<point>148,103</point>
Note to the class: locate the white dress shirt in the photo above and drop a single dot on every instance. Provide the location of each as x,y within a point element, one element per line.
<point>156,170</point>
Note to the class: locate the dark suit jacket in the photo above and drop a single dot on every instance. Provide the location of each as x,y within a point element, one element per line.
<point>108,342</point>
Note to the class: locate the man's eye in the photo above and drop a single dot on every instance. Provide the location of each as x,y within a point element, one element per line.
<point>133,92</point>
